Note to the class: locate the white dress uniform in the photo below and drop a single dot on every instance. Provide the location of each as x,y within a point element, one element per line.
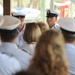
<point>56,27</point>
<point>12,50</point>
<point>28,48</point>
<point>70,54</point>
<point>17,12</point>
<point>67,26</point>
<point>8,65</point>
<point>51,14</point>
<point>10,25</point>
<point>19,39</point>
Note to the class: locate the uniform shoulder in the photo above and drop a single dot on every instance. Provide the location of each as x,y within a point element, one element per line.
<point>8,65</point>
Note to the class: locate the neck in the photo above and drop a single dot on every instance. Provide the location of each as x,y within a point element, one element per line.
<point>21,27</point>
<point>51,26</point>
<point>12,41</point>
<point>73,43</point>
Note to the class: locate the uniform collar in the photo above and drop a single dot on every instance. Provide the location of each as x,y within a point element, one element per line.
<point>8,44</point>
<point>22,29</point>
<point>69,45</point>
<point>28,48</point>
<point>53,27</point>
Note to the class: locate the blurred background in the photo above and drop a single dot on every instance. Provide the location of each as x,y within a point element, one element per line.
<point>65,8</point>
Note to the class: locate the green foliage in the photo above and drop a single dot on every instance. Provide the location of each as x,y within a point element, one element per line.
<point>1,2</point>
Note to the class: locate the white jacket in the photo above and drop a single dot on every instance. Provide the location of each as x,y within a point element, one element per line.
<point>56,27</point>
<point>19,39</point>
<point>70,54</point>
<point>12,50</point>
<point>28,48</point>
<point>8,65</point>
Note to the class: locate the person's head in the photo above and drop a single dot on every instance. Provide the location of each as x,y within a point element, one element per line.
<point>32,32</point>
<point>8,35</point>
<point>51,17</point>
<point>20,15</point>
<point>49,57</point>
<point>67,26</point>
<point>8,29</point>
<point>44,27</point>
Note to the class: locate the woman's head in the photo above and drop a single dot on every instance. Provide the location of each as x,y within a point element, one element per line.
<point>49,58</point>
<point>43,26</point>
<point>32,32</point>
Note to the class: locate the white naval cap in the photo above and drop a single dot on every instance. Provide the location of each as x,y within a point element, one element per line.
<point>9,23</point>
<point>32,15</point>
<point>67,24</point>
<point>1,20</point>
<point>18,12</point>
<point>52,13</point>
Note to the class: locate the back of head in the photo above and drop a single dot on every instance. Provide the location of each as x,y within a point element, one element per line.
<point>49,58</point>
<point>9,28</point>
<point>43,26</point>
<point>67,26</point>
<point>32,32</point>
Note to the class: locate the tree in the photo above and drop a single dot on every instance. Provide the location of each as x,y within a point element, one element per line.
<point>34,3</point>
<point>51,4</point>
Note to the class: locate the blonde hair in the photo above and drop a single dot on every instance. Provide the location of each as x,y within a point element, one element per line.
<point>49,58</point>
<point>43,26</point>
<point>32,32</point>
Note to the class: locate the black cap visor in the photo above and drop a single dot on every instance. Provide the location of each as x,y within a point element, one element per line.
<point>20,16</point>
<point>50,15</point>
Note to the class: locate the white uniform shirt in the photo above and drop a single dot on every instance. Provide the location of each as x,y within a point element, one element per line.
<point>8,65</point>
<point>12,50</point>
<point>19,39</point>
<point>29,48</point>
<point>56,27</point>
<point>70,54</point>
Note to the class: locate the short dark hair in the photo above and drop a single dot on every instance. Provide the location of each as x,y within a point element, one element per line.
<point>69,37</point>
<point>8,35</point>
